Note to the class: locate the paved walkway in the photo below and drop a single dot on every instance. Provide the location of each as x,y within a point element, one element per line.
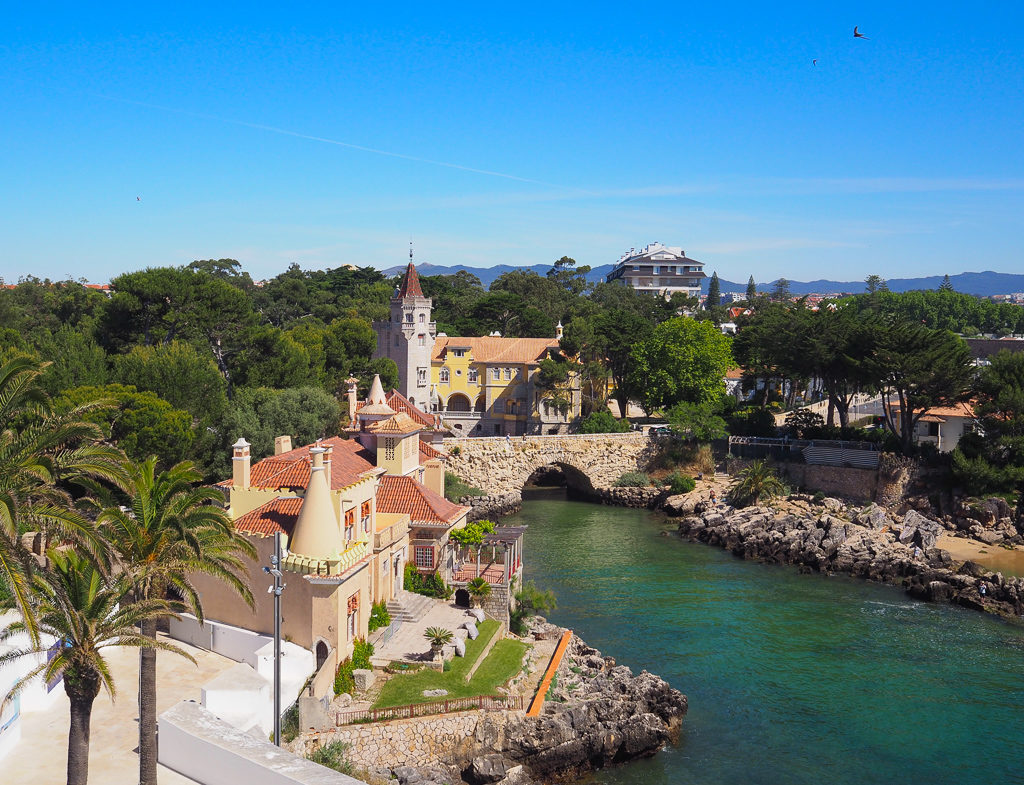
<point>408,643</point>
<point>41,756</point>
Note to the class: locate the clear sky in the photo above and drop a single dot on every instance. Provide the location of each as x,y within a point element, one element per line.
<point>153,134</point>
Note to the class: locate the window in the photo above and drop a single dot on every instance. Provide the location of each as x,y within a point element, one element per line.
<point>408,317</point>
<point>508,374</point>
<point>389,449</point>
<point>424,555</point>
<point>458,352</point>
<point>423,318</point>
<point>511,407</point>
<point>352,612</point>
<point>444,376</point>
<point>496,374</point>
<point>473,375</point>
<point>423,339</point>
<point>364,511</point>
<point>421,377</point>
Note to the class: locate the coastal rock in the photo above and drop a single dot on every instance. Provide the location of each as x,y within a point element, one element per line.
<point>919,530</point>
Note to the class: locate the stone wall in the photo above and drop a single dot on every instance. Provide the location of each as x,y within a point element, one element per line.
<point>421,741</point>
<point>859,485</point>
<point>501,466</point>
<point>492,505</point>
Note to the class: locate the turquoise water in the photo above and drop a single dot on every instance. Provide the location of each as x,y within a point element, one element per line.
<point>791,678</point>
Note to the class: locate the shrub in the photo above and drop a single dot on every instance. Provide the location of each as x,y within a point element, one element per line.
<point>456,450</point>
<point>603,421</point>
<point>755,483</point>
<point>529,602</point>
<point>704,460</point>
<point>819,496</point>
<point>333,757</point>
<point>633,480</point>
<point>753,421</point>
<point>479,589</point>
<point>289,724</point>
<point>362,650</point>
<point>801,420</point>
<point>432,585</point>
<point>455,488</point>
<point>680,483</point>
<point>344,681</point>
<point>438,636</point>
<point>379,616</point>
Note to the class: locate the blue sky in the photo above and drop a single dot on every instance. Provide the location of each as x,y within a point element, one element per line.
<point>513,134</point>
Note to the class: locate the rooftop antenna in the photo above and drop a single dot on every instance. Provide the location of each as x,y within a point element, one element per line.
<point>410,251</point>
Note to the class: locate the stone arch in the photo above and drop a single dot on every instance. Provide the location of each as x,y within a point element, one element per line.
<point>461,598</point>
<point>457,402</point>
<point>481,403</point>
<point>576,477</point>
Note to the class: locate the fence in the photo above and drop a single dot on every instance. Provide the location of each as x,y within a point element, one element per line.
<point>379,638</point>
<point>823,452</point>
<point>482,702</point>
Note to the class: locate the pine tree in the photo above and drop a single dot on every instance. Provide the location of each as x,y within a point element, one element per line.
<point>714,292</point>
<point>875,283</point>
<point>946,285</point>
<point>780,292</point>
<point>751,289</point>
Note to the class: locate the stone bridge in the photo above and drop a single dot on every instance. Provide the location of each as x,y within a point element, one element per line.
<point>500,466</point>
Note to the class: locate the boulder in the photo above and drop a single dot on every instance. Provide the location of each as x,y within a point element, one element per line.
<point>919,530</point>
<point>363,678</point>
<point>434,693</point>
<point>477,613</point>
<point>471,630</point>
<point>460,647</point>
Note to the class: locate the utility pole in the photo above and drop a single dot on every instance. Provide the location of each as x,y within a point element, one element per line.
<point>278,587</point>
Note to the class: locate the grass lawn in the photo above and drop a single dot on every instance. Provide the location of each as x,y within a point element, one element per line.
<point>501,664</point>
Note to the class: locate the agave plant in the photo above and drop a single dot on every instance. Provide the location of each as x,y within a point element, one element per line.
<point>479,589</point>
<point>755,483</point>
<point>439,637</point>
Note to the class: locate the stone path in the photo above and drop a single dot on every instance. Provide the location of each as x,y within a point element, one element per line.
<point>408,643</point>
<point>41,756</point>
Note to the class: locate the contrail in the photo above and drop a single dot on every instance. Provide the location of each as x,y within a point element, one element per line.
<point>325,140</point>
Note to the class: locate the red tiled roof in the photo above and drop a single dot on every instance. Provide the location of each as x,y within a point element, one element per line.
<point>278,515</point>
<point>399,403</point>
<point>491,349</point>
<point>410,283</point>
<point>400,423</point>
<point>428,451</point>
<point>406,496</point>
<point>349,462</point>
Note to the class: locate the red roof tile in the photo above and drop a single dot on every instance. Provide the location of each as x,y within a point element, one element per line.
<point>278,515</point>
<point>406,496</point>
<point>428,451</point>
<point>410,283</point>
<point>349,462</point>
<point>492,349</point>
<point>399,403</point>
<point>400,423</point>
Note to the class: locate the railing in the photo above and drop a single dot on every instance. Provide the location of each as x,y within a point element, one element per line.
<point>541,437</point>
<point>478,702</point>
<point>389,535</point>
<point>822,452</point>
<point>381,637</point>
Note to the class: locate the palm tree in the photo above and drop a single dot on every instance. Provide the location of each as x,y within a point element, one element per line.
<point>439,637</point>
<point>75,604</point>
<point>169,531</point>
<point>41,450</point>
<point>758,481</point>
<point>479,589</point>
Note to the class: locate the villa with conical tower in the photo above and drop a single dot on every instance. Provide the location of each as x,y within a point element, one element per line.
<point>476,386</point>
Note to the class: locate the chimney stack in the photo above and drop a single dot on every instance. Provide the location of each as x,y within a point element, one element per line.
<point>352,382</point>
<point>318,457</point>
<point>282,444</point>
<point>240,464</point>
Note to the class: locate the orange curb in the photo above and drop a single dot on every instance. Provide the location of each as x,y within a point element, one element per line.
<point>556,660</point>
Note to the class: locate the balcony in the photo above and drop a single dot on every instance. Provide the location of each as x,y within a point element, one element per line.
<point>384,537</point>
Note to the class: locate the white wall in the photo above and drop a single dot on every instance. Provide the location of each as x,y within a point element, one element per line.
<point>235,643</point>
<point>196,744</point>
<point>34,696</point>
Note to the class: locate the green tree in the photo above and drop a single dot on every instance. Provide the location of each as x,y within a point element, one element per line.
<point>140,423</point>
<point>755,483</point>
<point>946,285</point>
<point>479,589</point>
<point>42,451</point>
<point>260,414</point>
<point>178,374</point>
<point>683,360</point>
<point>915,368</point>
<point>714,292</point>
<point>568,276</point>
<point>875,283</point>
<point>169,531</point>
<point>603,421</point>
<point>698,421</point>
<point>780,291</point>
<point>75,359</point>
<point>271,358</point>
<point>87,612</point>
<point>751,290</point>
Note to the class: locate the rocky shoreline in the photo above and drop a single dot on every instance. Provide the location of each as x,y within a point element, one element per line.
<point>827,536</point>
<point>598,714</point>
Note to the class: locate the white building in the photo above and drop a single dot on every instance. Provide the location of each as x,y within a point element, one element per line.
<point>659,269</point>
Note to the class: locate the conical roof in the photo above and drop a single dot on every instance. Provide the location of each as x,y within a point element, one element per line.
<point>376,402</point>
<point>316,532</point>
<point>410,283</point>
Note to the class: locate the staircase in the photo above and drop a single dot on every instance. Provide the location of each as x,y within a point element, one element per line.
<point>409,607</point>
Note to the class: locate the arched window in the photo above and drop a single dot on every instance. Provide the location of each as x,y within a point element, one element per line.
<point>458,403</point>
<point>423,318</point>
<point>444,376</point>
<point>408,316</point>
<point>423,340</point>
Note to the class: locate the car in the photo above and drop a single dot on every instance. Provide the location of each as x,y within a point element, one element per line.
<point>660,429</point>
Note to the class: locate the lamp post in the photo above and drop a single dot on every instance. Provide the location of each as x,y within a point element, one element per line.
<point>275,570</point>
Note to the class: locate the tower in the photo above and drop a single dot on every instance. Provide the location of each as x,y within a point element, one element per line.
<point>408,337</point>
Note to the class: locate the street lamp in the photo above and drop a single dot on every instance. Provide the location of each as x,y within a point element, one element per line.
<point>278,587</point>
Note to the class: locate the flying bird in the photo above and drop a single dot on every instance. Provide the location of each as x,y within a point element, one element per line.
<point>138,198</point>
<point>814,62</point>
<point>859,35</point>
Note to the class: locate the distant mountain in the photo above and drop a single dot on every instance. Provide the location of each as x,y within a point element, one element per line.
<point>983,284</point>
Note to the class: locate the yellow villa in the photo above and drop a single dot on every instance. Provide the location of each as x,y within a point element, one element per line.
<point>478,386</point>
